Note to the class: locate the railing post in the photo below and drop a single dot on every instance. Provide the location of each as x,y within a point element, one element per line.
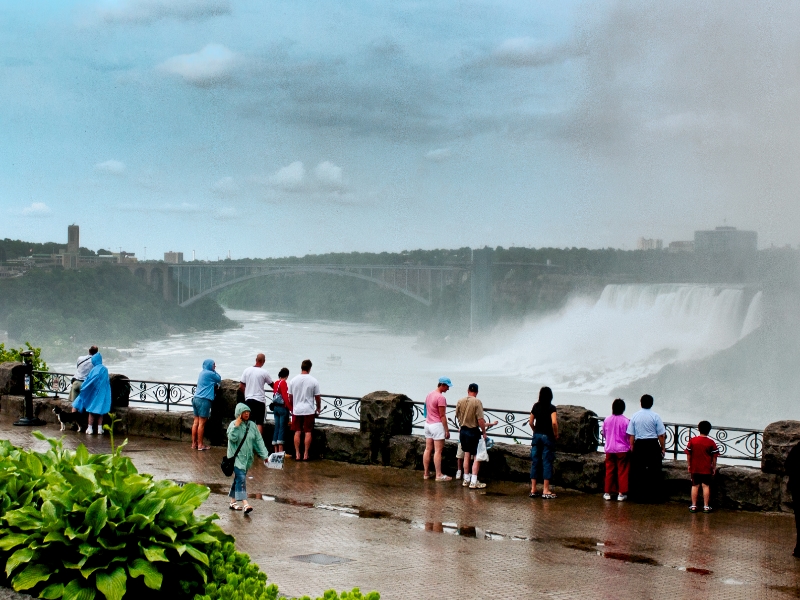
<point>675,444</point>
<point>169,393</point>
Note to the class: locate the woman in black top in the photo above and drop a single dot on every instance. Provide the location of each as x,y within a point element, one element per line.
<point>544,422</point>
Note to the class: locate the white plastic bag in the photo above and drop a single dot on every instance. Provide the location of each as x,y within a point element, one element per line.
<point>275,460</point>
<point>482,455</point>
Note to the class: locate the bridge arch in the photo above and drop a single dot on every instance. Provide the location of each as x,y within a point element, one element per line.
<point>309,269</point>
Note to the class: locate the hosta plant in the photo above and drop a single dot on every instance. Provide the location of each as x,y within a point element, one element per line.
<point>73,524</point>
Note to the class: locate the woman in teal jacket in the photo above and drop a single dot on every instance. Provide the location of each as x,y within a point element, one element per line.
<point>240,429</point>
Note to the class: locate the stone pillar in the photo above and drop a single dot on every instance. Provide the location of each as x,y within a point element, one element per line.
<point>779,438</point>
<point>383,415</point>
<point>120,390</point>
<point>222,410</point>
<point>577,430</point>
<point>12,378</point>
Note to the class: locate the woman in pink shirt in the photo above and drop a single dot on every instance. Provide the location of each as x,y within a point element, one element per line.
<point>617,448</point>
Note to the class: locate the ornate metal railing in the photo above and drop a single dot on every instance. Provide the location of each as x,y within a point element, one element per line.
<point>509,425</point>
<point>733,442</point>
<point>335,409</point>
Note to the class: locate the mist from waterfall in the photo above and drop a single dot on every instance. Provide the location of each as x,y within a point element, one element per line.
<point>630,332</point>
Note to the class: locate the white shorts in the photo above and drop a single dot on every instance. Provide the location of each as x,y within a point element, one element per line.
<point>434,431</point>
<point>459,452</point>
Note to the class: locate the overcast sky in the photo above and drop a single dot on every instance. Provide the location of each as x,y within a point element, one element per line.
<point>286,128</point>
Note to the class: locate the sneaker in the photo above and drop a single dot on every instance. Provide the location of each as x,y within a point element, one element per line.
<point>606,496</point>
<point>477,485</point>
<point>706,509</point>
<point>90,430</point>
<point>458,474</point>
<point>466,481</point>
<point>622,497</point>
<point>99,431</point>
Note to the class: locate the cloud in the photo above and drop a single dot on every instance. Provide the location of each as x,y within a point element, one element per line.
<point>211,65</point>
<point>144,12</point>
<point>227,213</point>
<point>329,176</point>
<point>439,155</point>
<point>36,209</point>
<point>530,52</point>
<point>290,178</point>
<point>112,167</point>
<point>225,187</point>
<point>184,208</point>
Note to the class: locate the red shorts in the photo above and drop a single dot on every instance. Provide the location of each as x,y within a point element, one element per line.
<point>303,423</point>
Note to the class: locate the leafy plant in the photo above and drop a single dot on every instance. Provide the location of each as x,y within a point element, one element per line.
<point>74,524</point>
<point>15,355</point>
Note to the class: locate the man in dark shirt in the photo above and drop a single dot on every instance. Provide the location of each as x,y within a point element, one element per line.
<point>793,471</point>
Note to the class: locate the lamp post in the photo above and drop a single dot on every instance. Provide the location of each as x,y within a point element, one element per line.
<point>28,419</point>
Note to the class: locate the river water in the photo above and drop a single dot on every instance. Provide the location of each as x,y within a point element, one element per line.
<point>582,352</point>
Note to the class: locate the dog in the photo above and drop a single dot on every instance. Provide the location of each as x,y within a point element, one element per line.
<point>65,417</point>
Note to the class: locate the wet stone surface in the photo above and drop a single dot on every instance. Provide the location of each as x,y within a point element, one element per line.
<point>412,538</point>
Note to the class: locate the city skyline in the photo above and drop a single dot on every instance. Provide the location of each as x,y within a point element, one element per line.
<point>274,129</point>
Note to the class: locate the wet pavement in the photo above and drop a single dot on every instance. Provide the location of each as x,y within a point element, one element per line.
<point>322,524</point>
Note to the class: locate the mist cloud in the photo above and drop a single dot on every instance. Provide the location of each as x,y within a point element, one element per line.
<point>213,64</point>
<point>36,209</point>
<point>111,167</point>
<point>143,12</point>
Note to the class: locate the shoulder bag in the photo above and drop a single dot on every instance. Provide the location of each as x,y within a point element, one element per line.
<point>227,462</point>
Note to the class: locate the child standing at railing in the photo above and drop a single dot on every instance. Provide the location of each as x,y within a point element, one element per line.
<point>618,448</point>
<point>701,454</point>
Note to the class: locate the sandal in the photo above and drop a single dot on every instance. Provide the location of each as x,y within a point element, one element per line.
<point>693,508</point>
<point>248,509</point>
<point>533,495</point>
<point>194,447</point>
<point>550,496</point>
<point>444,478</point>
<point>202,448</point>
<point>234,506</point>
<point>426,476</point>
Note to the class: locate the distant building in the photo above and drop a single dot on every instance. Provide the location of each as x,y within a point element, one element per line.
<point>69,256</point>
<point>174,258</point>
<point>687,246</point>
<point>649,244</point>
<point>725,240</point>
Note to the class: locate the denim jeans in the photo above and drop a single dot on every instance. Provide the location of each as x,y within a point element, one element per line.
<point>239,485</point>
<point>542,454</point>
<point>281,415</point>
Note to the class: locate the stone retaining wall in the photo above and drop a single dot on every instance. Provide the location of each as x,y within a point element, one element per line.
<point>384,438</point>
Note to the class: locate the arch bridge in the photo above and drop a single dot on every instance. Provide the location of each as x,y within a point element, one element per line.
<point>187,283</point>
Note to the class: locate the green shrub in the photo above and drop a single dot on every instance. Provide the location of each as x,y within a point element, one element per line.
<point>15,355</point>
<point>73,524</point>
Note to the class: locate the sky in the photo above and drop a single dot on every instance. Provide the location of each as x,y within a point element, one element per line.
<point>274,128</point>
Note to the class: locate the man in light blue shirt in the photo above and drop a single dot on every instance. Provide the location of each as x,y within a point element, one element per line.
<point>648,439</point>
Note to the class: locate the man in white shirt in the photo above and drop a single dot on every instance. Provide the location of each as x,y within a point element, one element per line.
<point>251,385</point>
<point>306,403</point>
<point>84,366</point>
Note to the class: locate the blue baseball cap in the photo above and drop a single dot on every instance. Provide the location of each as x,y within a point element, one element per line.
<point>446,381</point>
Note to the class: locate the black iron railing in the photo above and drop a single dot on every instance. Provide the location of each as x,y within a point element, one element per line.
<point>335,409</point>
<point>733,442</point>
<point>510,423</point>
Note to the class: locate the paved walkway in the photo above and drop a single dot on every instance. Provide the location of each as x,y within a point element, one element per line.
<point>409,538</point>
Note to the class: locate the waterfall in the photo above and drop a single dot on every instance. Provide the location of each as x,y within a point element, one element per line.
<point>629,332</point>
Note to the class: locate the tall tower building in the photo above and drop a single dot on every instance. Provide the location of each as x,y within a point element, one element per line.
<point>73,239</point>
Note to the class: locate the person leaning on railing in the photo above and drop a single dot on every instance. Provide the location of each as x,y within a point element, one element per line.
<point>207,382</point>
<point>647,437</point>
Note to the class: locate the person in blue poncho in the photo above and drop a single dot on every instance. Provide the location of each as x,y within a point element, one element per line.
<point>207,383</point>
<point>95,395</point>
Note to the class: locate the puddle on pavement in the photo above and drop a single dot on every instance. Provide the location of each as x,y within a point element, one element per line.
<point>599,548</point>
<point>467,531</point>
